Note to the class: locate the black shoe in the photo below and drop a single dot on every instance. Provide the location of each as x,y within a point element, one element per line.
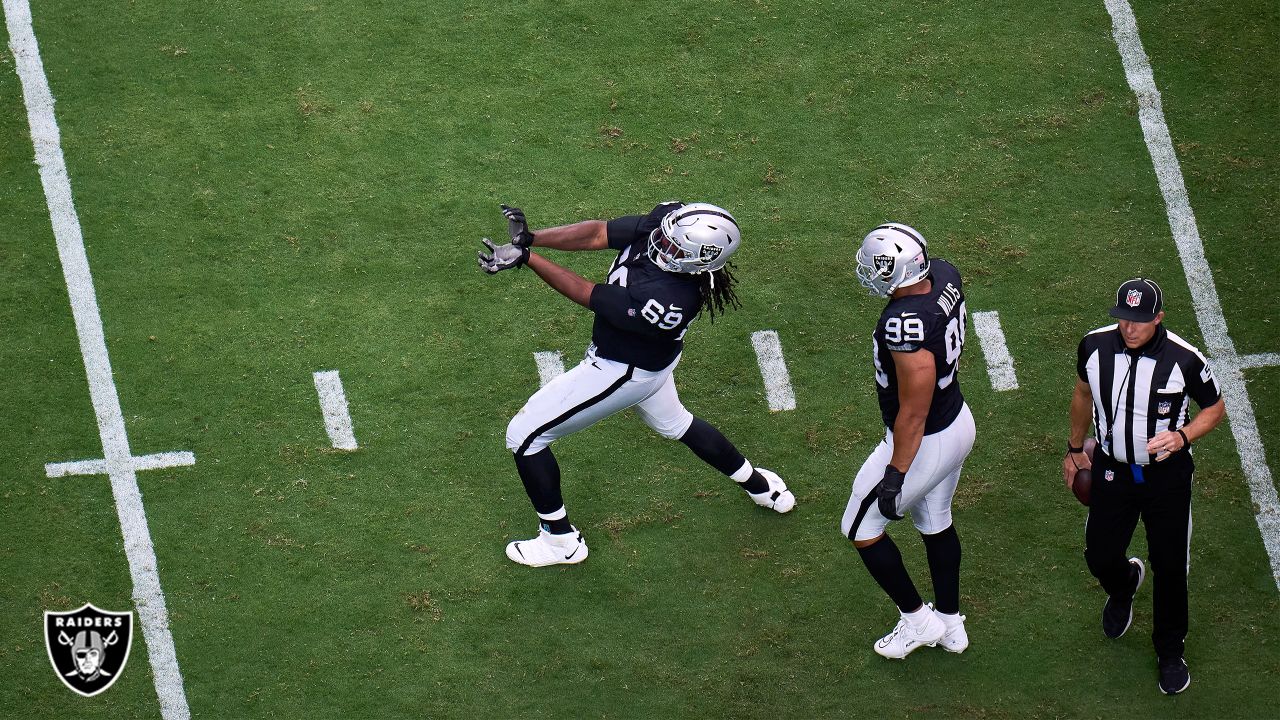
<point>1174,675</point>
<point>1117,614</point>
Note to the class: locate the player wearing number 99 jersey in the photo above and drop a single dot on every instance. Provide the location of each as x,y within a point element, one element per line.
<point>929,433</point>
<point>671,263</point>
<point>933,321</point>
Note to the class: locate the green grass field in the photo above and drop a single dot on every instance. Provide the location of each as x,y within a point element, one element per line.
<point>271,189</point>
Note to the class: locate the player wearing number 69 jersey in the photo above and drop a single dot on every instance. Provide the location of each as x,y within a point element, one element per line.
<point>671,263</point>
<point>929,432</point>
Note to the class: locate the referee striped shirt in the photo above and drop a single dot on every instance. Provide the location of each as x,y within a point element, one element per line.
<point>1140,392</point>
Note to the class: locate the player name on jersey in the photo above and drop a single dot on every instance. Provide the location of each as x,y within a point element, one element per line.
<point>948,298</point>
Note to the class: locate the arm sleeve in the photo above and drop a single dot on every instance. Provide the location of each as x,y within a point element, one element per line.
<point>1202,386</point>
<point>616,305</point>
<point>627,229</point>
<point>624,230</point>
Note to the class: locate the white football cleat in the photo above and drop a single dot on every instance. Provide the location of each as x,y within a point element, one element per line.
<point>549,549</point>
<point>906,637</point>
<point>777,497</point>
<point>955,639</point>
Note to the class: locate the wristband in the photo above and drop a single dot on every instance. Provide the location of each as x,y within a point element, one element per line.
<point>1071,450</point>
<point>1185,442</point>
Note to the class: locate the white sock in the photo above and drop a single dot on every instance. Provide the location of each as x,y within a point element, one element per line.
<point>743,473</point>
<point>951,621</point>
<point>919,617</point>
<point>554,514</point>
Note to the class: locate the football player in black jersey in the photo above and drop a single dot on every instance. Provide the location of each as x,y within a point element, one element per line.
<point>929,432</point>
<point>671,264</point>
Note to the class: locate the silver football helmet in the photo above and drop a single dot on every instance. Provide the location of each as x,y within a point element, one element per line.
<point>694,238</point>
<point>892,256</point>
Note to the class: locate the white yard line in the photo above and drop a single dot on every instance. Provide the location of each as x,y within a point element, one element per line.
<point>1204,295</point>
<point>1259,360</point>
<point>118,462</point>
<point>99,467</point>
<point>75,467</point>
<point>550,366</point>
<point>773,368</point>
<point>999,361</point>
<point>333,403</point>
<point>164,460</point>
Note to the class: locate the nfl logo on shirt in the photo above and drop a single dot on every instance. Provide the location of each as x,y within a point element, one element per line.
<point>1134,298</point>
<point>1110,475</point>
<point>1164,407</point>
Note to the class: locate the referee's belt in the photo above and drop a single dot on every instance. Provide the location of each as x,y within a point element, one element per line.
<point>1135,469</point>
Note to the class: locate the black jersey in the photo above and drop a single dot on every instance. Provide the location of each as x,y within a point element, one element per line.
<point>933,321</point>
<point>642,311</point>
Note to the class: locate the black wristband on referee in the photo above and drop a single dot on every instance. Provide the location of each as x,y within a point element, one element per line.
<point>1071,450</point>
<point>1185,442</point>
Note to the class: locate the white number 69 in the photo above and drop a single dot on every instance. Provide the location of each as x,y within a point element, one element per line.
<point>661,316</point>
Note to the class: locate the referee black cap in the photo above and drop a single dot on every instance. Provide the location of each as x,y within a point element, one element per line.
<point>1138,300</point>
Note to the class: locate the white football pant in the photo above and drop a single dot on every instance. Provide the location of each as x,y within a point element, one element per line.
<point>592,391</point>
<point>926,491</point>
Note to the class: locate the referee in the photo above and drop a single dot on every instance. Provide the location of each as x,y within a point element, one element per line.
<point>1136,380</point>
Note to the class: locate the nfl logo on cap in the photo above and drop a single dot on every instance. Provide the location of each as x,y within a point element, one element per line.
<point>1138,300</point>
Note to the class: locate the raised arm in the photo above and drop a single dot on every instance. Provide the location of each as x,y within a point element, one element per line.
<point>585,235</point>
<point>565,281</point>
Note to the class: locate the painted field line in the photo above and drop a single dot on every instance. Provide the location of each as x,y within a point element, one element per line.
<point>1204,294</point>
<point>773,368</point>
<point>333,403</point>
<point>550,366</point>
<point>118,461</point>
<point>156,461</point>
<point>999,361</point>
<point>1259,360</point>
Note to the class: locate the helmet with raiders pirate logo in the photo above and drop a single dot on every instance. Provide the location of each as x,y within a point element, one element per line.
<point>694,238</point>
<point>892,256</point>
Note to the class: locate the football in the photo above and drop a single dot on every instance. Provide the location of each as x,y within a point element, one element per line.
<point>1083,481</point>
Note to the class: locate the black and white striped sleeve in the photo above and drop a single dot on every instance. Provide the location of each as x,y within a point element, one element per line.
<point>1202,386</point>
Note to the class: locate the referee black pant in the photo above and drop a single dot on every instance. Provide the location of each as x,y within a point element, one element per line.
<point>1163,500</point>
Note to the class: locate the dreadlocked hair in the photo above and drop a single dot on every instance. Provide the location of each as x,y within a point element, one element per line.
<point>717,292</point>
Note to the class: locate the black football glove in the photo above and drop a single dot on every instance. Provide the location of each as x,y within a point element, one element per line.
<point>517,226</point>
<point>503,257</point>
<point>888,490</point>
